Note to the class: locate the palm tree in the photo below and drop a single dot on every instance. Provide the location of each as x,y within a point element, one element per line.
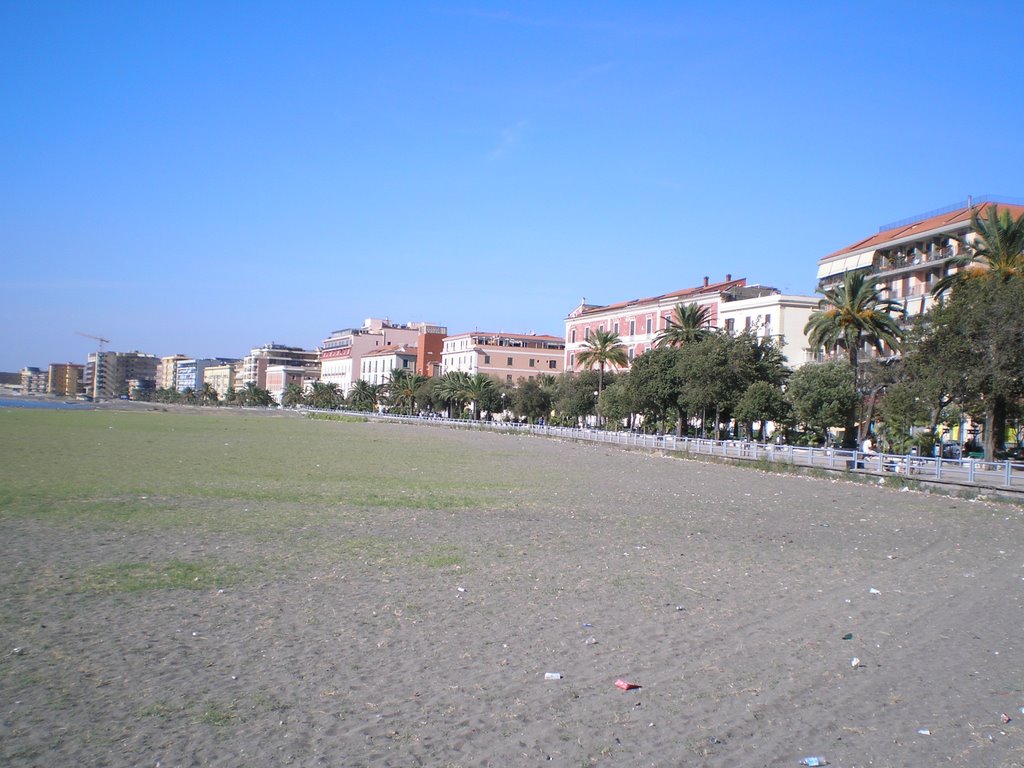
<point>293,395</point>
<point>365,395</point>
<point>601,349</point>
<point>207,394</point>
<point>324,395</point>
<point>476,388</point>
<point>689,322</point>
<point>451,388</point>
<point>402,388</point>
<point>998,250</point>
<point>850,315</point>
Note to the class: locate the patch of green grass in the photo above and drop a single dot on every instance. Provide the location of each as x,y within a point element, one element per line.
<point>347,418</point>
<point>218,714</point>
<point>147,576</point>
<point>228,471</point>
<point>442,558</point>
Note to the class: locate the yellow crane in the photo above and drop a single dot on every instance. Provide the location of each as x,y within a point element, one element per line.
<point>99,356</point>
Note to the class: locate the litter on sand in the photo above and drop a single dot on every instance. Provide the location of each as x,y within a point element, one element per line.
<point>626,686</point>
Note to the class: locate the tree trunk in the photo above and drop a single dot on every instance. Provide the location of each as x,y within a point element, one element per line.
<point>995,426</point>
<point>850,428</point>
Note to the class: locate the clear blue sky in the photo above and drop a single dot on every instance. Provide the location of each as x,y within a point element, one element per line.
<point>207,177</point>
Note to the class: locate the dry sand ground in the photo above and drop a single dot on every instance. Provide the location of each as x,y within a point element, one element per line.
<point>726,593</point>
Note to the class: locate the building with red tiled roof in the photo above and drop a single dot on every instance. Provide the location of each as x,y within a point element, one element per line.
<point>638,322</point>
<point>908,257</point>
<point>508,357</point>
<point>377,366</point>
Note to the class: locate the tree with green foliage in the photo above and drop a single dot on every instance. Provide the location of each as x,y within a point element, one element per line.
<point>256,396</point>
<point>477,388</point>
<point>324,396</point>
<point>365,396</point>
<point>575,397</point>
<point>531,401</point>
<point>976,346</point>
<point>655,385</point>
<point>995,253</point>
<point>900,410</point>
<point>293,396</point>
<point>451,389</point>
<point>763,402</point>
<point>822,395</point>
<point>618,404</point>
<point>207,394</point>
<point>851,315</point>
<point>688,323</point>
<point>715,374</point>
<point>402,389</point>
<point>602,349</point>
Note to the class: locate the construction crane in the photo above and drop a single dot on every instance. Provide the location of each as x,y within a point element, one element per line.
<point>99,357</point>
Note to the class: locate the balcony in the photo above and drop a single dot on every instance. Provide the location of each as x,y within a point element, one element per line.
<point>900,261</point>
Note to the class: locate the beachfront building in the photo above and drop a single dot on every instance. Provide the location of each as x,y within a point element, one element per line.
<point>508,357</point>
<point>342,351</point>
<point>190,373</point>
<point>778,316</point>
<point>221,378</point>
<point>377,366</point>
<point>111,375</point>
<point>279,377</point>
<point>639,321</point>
<point>64,379</point>
<point>253,369</point>
<point>908,257</point>
<point>33,381</point>
<point>167,371</point>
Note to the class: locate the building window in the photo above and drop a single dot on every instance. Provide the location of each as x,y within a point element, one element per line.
<point>746,324</point>
<point>631,351</point>
<point>615,328</point>
<point>532,361</point>
<point>405,363</point>
<point>632,327</point>
<point>572,336</point>
<point>767,325</point>
<point>648,326</point>
<point>487,359</point>
<point>586,333</point>
<point>730,325</point>
<point>572,361</point>
<point>600,328</point>
<point>509,360</point>
<point>552,364</point>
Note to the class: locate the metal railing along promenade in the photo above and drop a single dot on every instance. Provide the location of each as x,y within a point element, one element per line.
<point>970,472</point>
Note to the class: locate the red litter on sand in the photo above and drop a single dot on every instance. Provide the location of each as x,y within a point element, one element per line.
<point>620,683</point>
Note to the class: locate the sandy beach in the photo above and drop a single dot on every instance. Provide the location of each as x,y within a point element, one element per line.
<point>765,618</point>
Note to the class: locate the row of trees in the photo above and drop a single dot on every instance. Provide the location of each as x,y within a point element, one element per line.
<point>250,395</point>
<point>963,359</point>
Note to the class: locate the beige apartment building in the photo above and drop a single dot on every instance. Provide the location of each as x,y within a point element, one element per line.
<point>64,379</point>
<point>167,371</point>
<point>508,357</point>
<point>221,377</point>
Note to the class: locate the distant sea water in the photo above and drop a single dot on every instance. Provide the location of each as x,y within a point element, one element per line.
<point>31,402</point>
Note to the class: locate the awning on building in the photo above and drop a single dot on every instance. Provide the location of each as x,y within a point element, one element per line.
<point>846,264</point>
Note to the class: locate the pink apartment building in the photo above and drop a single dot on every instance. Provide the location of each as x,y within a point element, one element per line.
<point>508,357</point>
<point>638,322</point>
